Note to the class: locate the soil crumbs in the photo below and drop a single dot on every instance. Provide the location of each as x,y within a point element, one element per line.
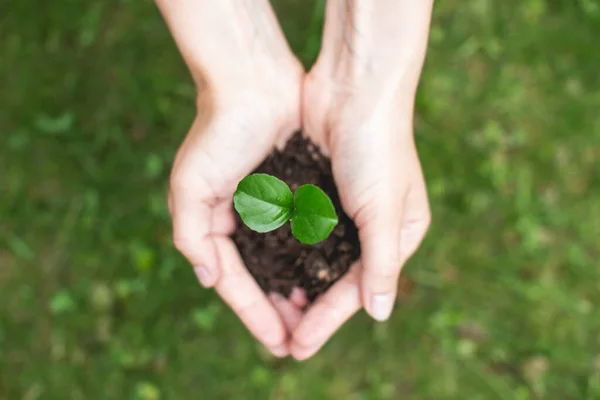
<point>277,260</point>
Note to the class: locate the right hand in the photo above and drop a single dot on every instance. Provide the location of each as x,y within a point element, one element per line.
<point>369,136</point>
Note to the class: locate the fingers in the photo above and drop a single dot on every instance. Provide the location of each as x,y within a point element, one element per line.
<point>326,315</point>
<point>289,312</point>
<point>191,202</point>
<point>298,298</point>
<point>241,292</point>
<point>223,221</point>
<point>379,233</point>
<point>387,246</point>
<point>192,214</point>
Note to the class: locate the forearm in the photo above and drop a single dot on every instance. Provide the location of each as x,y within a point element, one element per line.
<point>226,41</point>
<point>379,44</point>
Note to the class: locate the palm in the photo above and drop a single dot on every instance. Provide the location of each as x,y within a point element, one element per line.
<point>376,170</point>
<point>220,149</point>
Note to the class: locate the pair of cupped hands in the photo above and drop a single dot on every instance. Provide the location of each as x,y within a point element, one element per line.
<point>365,127</point>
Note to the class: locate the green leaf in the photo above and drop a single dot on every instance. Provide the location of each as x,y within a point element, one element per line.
<point>315,217</point>
<point>263,202</point>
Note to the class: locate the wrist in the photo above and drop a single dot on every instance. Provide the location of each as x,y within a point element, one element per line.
<point>276,85</point>
<point>375,47</point>
<point>266,76</point>
<point>230,42</point>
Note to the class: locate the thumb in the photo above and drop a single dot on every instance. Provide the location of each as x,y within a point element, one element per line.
<point>381,257</point>
<point>192,218</point>
<point>191,236</point>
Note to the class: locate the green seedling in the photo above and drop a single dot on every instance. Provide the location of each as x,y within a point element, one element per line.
<point>265,203</point>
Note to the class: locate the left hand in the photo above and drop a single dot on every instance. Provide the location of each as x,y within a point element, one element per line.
<point>369,136</point>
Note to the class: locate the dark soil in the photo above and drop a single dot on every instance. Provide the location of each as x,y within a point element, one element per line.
<point>277,260</point>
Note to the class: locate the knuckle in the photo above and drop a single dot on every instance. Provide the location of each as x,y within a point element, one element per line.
<point>387,265</point>
<point>179,182</point>
<point>302,340</point>
<point>270,337</point>
<point>181,243</point>
<point>363,214</point>
<point>386,275</point>
<point>390,267</point>
<point>383,274</point>
<point>331,308</point>
<point>383,279</point>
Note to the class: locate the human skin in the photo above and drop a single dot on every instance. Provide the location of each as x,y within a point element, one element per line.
<point>249,86</point>
<point>356,104</point>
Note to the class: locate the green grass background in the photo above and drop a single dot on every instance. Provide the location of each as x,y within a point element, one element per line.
<point>500,302</point>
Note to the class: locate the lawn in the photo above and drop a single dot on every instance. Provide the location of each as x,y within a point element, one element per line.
<point>500,302</point>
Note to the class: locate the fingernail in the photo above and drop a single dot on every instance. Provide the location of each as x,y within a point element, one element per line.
<point>381,306</point>
<point>276,297</point>
<point>298,297</point>
<point>279,351</point>
<point>203,275</point>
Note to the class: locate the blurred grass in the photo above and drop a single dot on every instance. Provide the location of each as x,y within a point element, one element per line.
<point>500,302</point>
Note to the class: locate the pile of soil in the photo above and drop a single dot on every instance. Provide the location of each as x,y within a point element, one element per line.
<point>277,260</point>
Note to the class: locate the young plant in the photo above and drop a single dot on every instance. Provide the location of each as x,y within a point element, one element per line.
<point>265,203</point>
